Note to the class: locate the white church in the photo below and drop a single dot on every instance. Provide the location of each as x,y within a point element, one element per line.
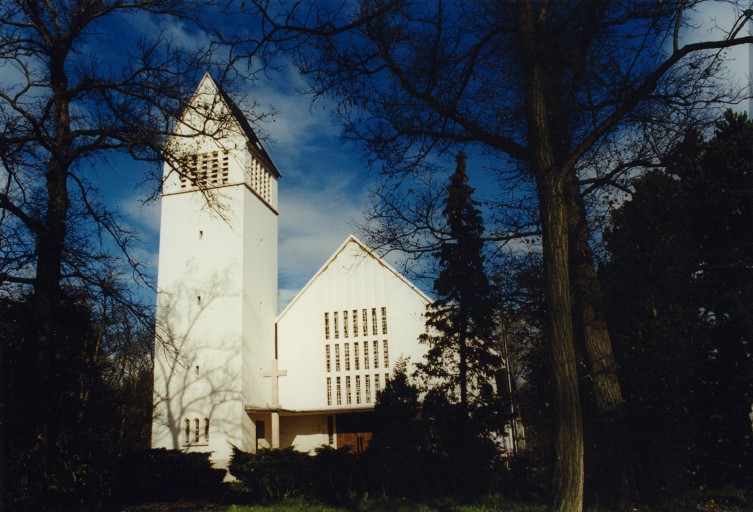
<point>230,369</point>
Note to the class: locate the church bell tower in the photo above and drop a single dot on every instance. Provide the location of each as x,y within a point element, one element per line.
<point>217,280</point>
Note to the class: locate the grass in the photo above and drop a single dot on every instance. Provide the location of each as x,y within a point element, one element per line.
<point>301,505</point>
<point>719,500</point>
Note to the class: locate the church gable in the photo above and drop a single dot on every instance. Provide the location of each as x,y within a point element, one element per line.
<point>344,265</point>
<point>340,337</point>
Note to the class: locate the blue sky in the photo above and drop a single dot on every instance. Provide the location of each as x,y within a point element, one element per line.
<point>325,184</point>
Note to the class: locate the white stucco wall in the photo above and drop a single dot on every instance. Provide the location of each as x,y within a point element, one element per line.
<point>353,279</point>
<point>305,433</point>
<point>199,323</point>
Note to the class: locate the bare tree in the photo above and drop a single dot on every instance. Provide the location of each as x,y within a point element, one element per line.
<point>546,85</point>
<point>80,94</point>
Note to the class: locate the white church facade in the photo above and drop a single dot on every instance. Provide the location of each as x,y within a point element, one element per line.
<point>229,370</point>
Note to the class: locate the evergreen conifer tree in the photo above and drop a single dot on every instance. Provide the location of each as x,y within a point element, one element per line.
<point>461,320</point>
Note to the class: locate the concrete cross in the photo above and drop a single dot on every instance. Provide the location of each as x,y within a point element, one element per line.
<point>275,374</point>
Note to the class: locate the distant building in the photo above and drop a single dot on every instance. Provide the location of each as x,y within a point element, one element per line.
<point>228,370</point>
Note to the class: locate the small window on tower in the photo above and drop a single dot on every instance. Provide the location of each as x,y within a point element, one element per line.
<point>337,331</point>
<point>187,423</point>
<point>196,436</point>
<point>326,325</point>
<point>384,320</point>
<point>198,299</point>
<point>201,235</point>
<point>374,321</point>
<point>206,430</point>
<point>345,324</point>
<point>197,370</point>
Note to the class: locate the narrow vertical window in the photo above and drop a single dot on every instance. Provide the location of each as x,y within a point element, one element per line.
<point>337,331</point>
<point>188,430</point>
<point>206,430</point>
<point>365,355</point>
<point>198,299</point>
<point>196,432</point>
<point>377,384</point>
<point>347,389</point>
<point>384,320</point>
<point>329,390</point>
<point>347,357</point>
<point>201,235</point>
<point>356,357</point>
<point>326,325</point>
<point>376,354</point>
<point>386,354</point>
<point>345,324</point>
<point>330,430</point>
<point>365,322</point>
<point>329,361</point>
<point>386,378</point>
<point>358,389</point>
<point>337,358</point>
<point>355,322</point>
<point>367,381</point>
<point>339,393</point>
<point>373,321</point>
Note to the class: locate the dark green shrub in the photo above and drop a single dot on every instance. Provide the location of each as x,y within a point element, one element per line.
<point>337,475</point>
<point>166,475</point>
<point>273,475</point>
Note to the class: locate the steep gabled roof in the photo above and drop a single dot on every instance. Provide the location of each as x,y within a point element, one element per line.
<point>368,252</point>
<point>254,144</point>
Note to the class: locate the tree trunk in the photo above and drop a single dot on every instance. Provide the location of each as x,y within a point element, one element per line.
<point>609,473</point>
<point>47,290</point>
<point>46,303</point>
<point>463,372</point>
<point>568,465</point>
<point>589,311</point>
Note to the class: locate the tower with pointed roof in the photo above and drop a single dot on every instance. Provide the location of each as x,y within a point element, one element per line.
<point>217,280</point>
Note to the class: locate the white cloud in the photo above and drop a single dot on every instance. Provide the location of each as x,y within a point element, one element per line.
<point>297,128</point>
<point>313,223</point>
<point>714,21</point>
<point>323,184</point>
<point>150,25</point>
<point>144,214</point>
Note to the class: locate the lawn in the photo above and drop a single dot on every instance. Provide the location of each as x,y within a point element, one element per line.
<point>725,500</point>
<point>301,505</point>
